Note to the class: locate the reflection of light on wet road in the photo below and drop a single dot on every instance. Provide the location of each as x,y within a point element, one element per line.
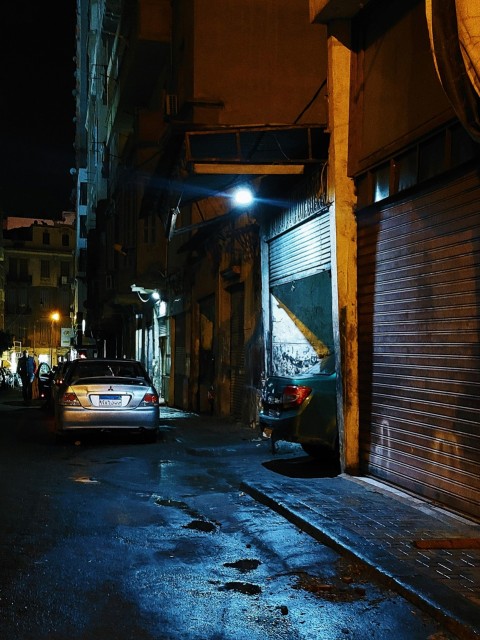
<point>167,413</point>
<point>85,480</point>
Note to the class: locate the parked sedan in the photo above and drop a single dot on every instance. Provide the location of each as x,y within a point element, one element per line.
<point>302,408</point>
<point>44,376</point>
<point>106,395</point>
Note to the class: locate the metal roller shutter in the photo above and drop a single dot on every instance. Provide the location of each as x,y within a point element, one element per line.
<point>237,351</point>
<point>180,360</point>
<point>304,249</point>
<point>419,322</point>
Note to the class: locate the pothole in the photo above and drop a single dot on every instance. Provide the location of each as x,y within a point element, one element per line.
<point>244,566</point>
<point>166,502</point>
<point>200,525</point>
<point>246,588</point>
<point>175,504</point>
<point>328,590</point>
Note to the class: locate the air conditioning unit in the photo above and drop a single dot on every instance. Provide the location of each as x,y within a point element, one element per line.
<point>171,105</point>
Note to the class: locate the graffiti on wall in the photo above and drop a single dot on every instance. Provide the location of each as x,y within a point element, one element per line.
<point>295,349</point>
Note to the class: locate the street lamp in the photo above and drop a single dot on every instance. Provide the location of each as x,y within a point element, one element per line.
<point>54,317</point>
<point>243,196</point>
<point>152,294</point>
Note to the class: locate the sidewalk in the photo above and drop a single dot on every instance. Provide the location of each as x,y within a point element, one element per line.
<point>377,525</point>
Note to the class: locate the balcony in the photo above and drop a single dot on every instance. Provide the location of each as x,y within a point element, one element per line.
<point>324,11</point>
<point>18,278</point>
<point>142,62</point>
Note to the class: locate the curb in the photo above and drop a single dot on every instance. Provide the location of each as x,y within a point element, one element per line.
<point>436,599</point>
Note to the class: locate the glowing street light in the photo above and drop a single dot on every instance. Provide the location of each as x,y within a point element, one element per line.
<point>54,317</point>
<point>243,197</point>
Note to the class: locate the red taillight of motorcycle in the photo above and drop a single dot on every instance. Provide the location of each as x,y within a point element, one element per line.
<point>69,399</point>
<point>294,396</point>
<point>150,398</point>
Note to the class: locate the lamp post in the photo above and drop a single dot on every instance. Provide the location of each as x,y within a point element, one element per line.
<point>54,317</point>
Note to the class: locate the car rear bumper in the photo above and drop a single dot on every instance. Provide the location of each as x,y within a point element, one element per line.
<point>287,424</point>
<point>288,427</point>
<point>77,419</point>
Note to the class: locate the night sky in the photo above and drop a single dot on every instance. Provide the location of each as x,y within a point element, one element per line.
<point>37,108</point>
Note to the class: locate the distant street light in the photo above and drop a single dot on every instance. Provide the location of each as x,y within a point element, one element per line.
<point>54,317</point>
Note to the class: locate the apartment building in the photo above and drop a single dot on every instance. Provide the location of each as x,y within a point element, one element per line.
<point>39,285</point>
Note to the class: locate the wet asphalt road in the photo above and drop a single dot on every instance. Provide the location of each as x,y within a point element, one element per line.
<point>107,538</point>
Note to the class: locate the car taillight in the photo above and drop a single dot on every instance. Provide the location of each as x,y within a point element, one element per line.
<point>294,396</point>
<point>149,398</point>
<point>69,399</point>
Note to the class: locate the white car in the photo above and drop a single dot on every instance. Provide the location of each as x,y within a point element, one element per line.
<point>106,395</point>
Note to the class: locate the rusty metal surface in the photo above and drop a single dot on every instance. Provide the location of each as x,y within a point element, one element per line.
<point>419,317</point>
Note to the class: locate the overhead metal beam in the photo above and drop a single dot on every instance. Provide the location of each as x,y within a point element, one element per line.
<point>248,169</point>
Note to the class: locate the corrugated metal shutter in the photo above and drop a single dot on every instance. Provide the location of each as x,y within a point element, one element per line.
<point>304,249</point>
<point>180,359</point>
<point>419,322</point>
<point>237,351</point>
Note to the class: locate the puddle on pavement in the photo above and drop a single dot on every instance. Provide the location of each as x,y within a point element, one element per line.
<point>328,590</point>
<point>200,525</point>
<point>243,565</point>
<point>197,524</point>
<point>176,504</point>
<point>166,502</point>
<point>246,588</point>
<point>85,480</point>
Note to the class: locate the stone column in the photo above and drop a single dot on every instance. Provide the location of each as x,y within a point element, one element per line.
<point>344,243</point>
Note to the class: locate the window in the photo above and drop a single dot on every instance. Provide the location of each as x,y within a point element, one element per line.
<point>381,180</point>
<point>431,157</point>
<point>18,269</point>
<point>82,260</point>
<point>12,267</point>
<point>406,169</point>
<point>23,268</point>
<point>83,226</point>
<point>44,269</point>
<point>83,193</point>
<point>46,237</point>
<point>149,230</point>
<point>65,240</point>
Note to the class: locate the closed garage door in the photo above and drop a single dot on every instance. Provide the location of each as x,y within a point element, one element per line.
<point>419,322</point>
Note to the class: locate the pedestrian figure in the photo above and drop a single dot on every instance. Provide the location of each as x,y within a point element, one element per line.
<point>26,371</point>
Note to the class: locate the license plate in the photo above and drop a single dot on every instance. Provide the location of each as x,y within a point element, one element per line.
<point>110,401</point>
